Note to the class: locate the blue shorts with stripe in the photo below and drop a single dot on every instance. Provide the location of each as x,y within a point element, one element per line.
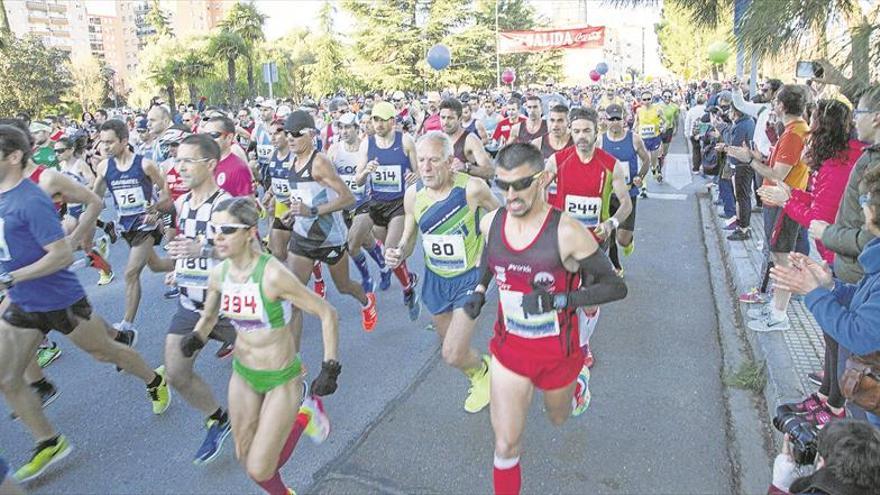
<point>444,294</point>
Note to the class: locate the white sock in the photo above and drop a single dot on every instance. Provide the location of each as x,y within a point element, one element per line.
<point>777,314</point>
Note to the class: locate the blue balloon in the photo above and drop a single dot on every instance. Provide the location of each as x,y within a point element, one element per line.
<point>439,57</point>
<point>602,68</point>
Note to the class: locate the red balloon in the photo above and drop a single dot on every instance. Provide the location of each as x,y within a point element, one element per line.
<point>508,76</point>
<point>595,76</point>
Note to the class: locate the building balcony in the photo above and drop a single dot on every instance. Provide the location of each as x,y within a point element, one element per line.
<point>36,6</point>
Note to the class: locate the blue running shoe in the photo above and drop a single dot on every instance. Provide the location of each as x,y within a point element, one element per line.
<point>210,449</point>
<point>411,300</point>
<point>385,281</point>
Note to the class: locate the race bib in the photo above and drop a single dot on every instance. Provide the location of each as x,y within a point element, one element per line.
<point>192,272</point>
<point>445,251</point>
<point>304,196</point>
<point>387,178</point>
<point>130,201</point>
<point>281,189</point>
<point>357,190</point>
<point>264,151</point>
<point>529,327</point>
<point>648,131</point>
<point>241,302</point>
<point>4,248</point>
<point>584,208</point>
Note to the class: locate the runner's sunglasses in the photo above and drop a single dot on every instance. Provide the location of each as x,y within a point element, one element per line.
<point>229,228</point>
<point>517,185</point>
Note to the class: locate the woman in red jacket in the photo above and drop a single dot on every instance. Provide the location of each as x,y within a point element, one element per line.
<point>831,154</point>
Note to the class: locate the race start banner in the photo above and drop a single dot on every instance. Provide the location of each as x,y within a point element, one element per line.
<point>539,40</point>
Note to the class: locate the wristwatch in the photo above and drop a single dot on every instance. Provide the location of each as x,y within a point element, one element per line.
<point>7,279</point>
<point>313,211</point>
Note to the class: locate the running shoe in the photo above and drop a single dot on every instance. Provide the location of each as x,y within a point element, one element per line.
<point>160,396</point>
<point>770,324</point>
<point>754,296</point>
<point>210,449</point>
<point>48,393</point>
<point>628,250</point>
<point>760,312</point>
<point>48,355</point>
<point>619,272</point>
<point>105,278</point>
<point>816,377</point>
<point>369,315</point>
<point>740,235</point>
<point>171,293</point>
<point>225,350</point>
<point>478,393</point>
<point>808,405</point>
<point>103,246</point>
<point>659,178</point>
<point>44,456</point>
<point>110,230</point>
<point>411,299</point>
<point>589,361</point>
<point>318,428</point>
<point>385,279</point>
<point>320,289</point>
<point>822,415</point>
<point>581,400</point>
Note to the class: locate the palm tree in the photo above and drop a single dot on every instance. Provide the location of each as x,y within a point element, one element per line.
<point>228,46</point>
<point>768,27</point>
<point>193,66</point>
<point>165,75</point>
<point>157,18</point>
<point>246,21</point>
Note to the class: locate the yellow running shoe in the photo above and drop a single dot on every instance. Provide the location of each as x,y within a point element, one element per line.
<point>318,428</point>
<point>478,394</point>
<point>105,278</point>
<point>44,456</point>
<point>628,250</point>
<point>160,395</point>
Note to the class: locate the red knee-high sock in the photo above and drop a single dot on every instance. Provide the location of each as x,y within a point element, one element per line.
<point>506,476</point>
<point>316,271</point>
<point>274,485</point>
<point>402,274</point>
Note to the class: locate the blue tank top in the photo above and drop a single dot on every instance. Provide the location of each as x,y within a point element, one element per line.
<point>29,221</point>
<point>624,151</point>
<point>472,128</point>
<point>263,140</point>
<point>132,192</point>
<point>279,173</point>
<point>387,182</point>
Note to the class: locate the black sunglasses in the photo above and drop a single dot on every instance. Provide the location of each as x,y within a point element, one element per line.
<point>215,134</point>
<point>614,119</point>
<point>517,185</point>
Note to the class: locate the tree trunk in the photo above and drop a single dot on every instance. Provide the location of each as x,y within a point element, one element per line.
<point>193,92</point>
<point>250,78</point>
<point>172,100</point>
<point>860,38</point>
<point>230,80</point>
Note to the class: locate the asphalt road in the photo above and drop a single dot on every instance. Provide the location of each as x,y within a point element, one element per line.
<point>656,423</point>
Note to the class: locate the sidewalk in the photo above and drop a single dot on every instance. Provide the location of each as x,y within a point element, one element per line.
<point>789,355</point>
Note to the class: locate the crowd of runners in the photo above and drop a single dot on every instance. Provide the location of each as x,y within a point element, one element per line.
<point>534,194</point>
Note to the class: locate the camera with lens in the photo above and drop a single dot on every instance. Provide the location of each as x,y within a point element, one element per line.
<point>802,435</point>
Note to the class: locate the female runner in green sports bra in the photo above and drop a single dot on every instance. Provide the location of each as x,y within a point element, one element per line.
<point>255,291</point>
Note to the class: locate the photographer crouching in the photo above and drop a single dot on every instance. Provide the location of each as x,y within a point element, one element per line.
<point>846,460</point>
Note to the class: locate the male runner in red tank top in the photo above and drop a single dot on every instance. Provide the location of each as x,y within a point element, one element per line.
<point>537,256</point>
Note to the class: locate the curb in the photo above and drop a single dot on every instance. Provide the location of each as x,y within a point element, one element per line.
<point>783,384</point>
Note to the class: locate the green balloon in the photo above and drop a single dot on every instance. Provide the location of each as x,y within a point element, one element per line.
<point>719,52</point>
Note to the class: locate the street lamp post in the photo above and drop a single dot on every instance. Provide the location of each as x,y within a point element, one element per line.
<point>497,56</point>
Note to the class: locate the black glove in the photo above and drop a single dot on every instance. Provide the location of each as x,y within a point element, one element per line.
<point>474,304</point>
<point>325,384</point>
<point>190,344</point>
<point>537,302</point>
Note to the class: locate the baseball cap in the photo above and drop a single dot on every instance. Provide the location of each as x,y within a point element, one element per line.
<point>299,121</point>
<point>384,110</point>
<point>266,104</point>
<point>282,111</point>
<point>614,111</point>
<point>398,95</point>
<point>348,119</point>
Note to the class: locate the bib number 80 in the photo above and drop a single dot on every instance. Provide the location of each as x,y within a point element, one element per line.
<point>442,249</point>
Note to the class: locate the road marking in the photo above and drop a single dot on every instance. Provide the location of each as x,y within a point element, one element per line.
<point>672,196</point>
<point>677,171</point>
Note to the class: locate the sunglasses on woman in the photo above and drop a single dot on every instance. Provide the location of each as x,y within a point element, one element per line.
<point>517,185</point>
<point>229,228</point>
